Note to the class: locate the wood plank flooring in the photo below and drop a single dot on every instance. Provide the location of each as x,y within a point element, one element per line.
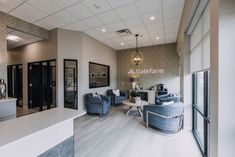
<point>121,135</point>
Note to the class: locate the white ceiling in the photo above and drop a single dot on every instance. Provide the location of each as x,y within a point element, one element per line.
<point>91,16</point>
<point>24,39</point>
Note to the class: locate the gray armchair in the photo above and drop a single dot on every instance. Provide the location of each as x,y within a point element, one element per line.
<point>97,105</point>
<point>159,99</point>
<point>116,100</point>
<point>167,119</point>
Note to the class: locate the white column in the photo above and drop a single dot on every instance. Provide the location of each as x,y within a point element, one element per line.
<point>222,78</point>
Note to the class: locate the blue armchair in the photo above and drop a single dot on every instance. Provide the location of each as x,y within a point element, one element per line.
<point>116,100</point>
<point>97,105</point>
<point>167,119</point>
<point>159,99</point>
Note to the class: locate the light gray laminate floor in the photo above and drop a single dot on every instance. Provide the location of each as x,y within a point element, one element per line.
<point>120,135</point>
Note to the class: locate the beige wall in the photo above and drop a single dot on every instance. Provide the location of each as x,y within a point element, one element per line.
<point>43,50</point>
<point>156,57</point>
<point>69,47</point>
<point>95,51</point>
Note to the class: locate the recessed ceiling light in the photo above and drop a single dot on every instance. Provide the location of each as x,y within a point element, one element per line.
<point>103,30</point>
<point>122,44</point>
<point>152,18</point>
<point>13,38</point>
<point>157,38</point>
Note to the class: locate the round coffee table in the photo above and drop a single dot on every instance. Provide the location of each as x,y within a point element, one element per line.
<point>138,105</point>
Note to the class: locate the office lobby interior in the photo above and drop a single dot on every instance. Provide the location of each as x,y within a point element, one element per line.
<point>117,78</point>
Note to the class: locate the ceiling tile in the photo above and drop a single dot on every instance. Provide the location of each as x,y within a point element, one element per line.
<point>64,3</point>
<point>119,3</point>
<point>79,11</point>
<point>64,17</point>
<point>93,22</point>
<point>171,3</point>
<point>172,22</point>
<point>28,13</point>
<point>45,5</point>
<point>56,20</point>
<point>97,6</point>
<point>154,26</point>
<point>139,30</point>
<point>156,14</point>
<point>6,5</point>
<point>127,11</point>
<point>173,12</point>
<point>112,35</point>
<point>133,22</point>
<point>45,23</point>
<point>146,6</point>
<point>109,17</point>
<point>92,32</point>
<point>117,26</point>
<point>78,26</point>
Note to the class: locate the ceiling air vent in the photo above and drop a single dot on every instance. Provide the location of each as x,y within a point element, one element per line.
<point>124,32</point>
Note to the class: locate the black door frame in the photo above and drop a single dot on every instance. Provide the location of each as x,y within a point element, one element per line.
<point>204,147</point>
<point>49,83</point>
<point>75,79</point>
<point>9,84</point>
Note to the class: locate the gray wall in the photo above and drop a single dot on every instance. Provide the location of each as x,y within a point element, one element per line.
<point>156,57</point>
<point>42,50</point>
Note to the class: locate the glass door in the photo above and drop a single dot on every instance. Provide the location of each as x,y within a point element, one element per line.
<point>70,84</point>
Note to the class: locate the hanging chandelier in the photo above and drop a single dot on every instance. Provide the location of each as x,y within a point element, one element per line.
<point>137,57</point>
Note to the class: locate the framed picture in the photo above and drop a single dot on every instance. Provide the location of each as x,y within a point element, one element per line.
<point>99,75</point>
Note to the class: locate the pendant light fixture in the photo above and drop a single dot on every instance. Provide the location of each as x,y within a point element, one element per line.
<point>137,56</point>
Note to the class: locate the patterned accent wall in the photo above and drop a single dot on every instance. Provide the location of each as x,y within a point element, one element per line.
<point>155,58</point>
<point>3,48</point>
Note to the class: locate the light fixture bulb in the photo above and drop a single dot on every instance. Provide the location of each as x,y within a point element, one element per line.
<point>13,38</point>
<point>122,44</point>
<point>103,30</point>
<point>157,38</point>
<point>152,18</point>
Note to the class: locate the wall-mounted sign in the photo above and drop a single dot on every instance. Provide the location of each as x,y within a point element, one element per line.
<point>150,71</point>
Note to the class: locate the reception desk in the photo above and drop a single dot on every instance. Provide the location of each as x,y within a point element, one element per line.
<point>147,95</point>
<point>7,108</point>
<point>39,134</point>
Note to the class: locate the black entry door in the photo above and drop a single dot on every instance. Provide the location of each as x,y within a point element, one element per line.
<point>41,85</point>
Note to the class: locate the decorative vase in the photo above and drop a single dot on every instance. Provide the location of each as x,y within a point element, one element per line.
<point>133,84</point>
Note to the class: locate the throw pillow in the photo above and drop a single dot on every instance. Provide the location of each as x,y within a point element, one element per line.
<point>96,95</point>
<point>168,103</point>
<point>116,92</point>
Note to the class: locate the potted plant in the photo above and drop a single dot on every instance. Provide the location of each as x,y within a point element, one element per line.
<point>135,97</point>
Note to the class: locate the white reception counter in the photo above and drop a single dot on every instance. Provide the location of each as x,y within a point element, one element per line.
<point>34,134</point>
<point>7,108</point>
